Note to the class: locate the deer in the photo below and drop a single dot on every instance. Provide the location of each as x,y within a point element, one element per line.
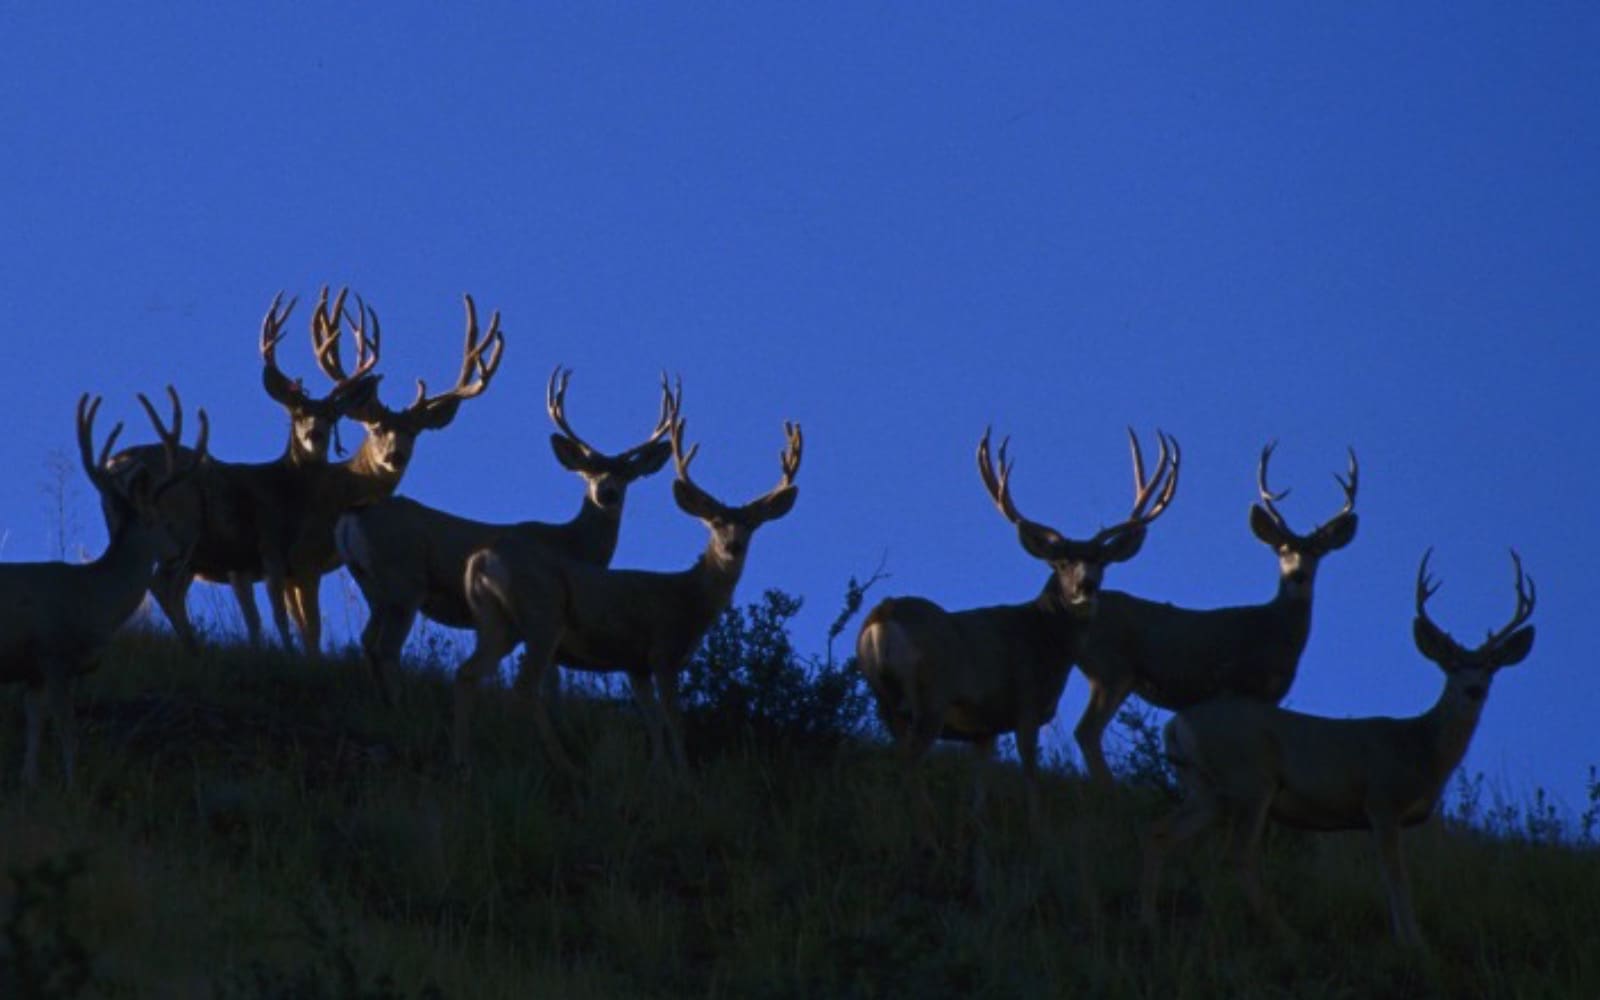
<point>374,472</point>
<point>592,618</point>
<point>1173,657</point>
<point>978,674</point>
<point>409,558</point>
<point>239,513</point>
<point>1251,762</point>
<point>56,617</point>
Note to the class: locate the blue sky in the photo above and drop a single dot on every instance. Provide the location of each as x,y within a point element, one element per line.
<point>1362,225</point>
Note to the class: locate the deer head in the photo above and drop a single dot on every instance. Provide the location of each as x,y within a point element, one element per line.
<point>1469,671</point>
<point>605,476</point>
<point>1298,554</point>
<point>392,434</point>
<point>136,500</point>
<point>1079,566</point>
<point>312,419</point>
<point>731,527</point>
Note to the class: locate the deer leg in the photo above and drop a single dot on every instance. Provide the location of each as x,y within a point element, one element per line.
<point>1197,811</point>
<point>537,660</point>
<point>58,687</point>
<point>277,599</point>
<point>170,588</point>
<point>1028,751</point>
<point>306,605</point>
<point>1104,700</point>
<point>382,641</point>
<point>494,641</point>
<point>33,709</point>
<point>1398,884</point>
<point>644,695</point>
<point>244,594</point>
<point>1247,858</point>
<point>667,684</point>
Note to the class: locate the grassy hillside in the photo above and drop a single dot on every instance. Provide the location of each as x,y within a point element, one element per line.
<point>253,825</point>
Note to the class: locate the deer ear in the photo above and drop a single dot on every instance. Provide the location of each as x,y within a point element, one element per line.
<point>693,501</point>
<point>1515,649</point>
<point>1265,528</point>
<point>1337,533</point>
<point>650,460</point>
<point>1123,546</point>
<point>1039,541</point>
<point>775,505</point>
<point>567,453</point>
<point>437,416</point>
<point>1432,643</point>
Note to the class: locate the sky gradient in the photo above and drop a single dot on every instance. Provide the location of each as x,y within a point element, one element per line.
<point>1359,226</point>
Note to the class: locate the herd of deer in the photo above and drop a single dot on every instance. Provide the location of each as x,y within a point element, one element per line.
<point>175,512</point>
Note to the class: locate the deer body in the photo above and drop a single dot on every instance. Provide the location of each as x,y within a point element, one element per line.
<point>1251,762</point>
<point>1174,657</point>
<point>975,675</point>
<point>1004,667</point>
<point>373,473</point>
<point>56,617</point>
<point>643,624</point>
<point>409,558</point>
<point>242,514</point>
<point>1183,656</point>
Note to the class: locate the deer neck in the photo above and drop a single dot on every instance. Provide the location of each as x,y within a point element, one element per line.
<point>1451,723</point>
<point>363,478</point>
<point>120,577</point>
<point>1068,623</point>
<point>715,576</point>
<point>593,533</point>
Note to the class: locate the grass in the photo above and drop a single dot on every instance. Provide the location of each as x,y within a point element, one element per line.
<point>252,825</point>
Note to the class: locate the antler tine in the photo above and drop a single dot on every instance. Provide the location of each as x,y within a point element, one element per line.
<point>1527,593</point>
<point>368,346</point>
<point>679,459</point>
<point>1151,496</point>
<point>1161,486</point>
<point>476,371</point>
<point>1269,498</point>
<point>1426,586</point>
<point>172,439</point>
<point>88,407</point>
<point>555,403</point>
<point>998,484</point>
<point>1349,483</point>
<point>789,458</point>
<point>272,327</point>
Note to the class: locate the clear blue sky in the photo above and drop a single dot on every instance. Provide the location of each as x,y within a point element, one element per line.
<point>1367,224</point>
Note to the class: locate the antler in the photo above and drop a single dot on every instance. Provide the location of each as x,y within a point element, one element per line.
<point>998,484</point>
<point>555,404</point>
<point>1526,595</point>
<point>1151,496</point>
<point>279,386</point>
<point>789,458</point>
<point>172,440</point>
<point>476,370</point>
<point>326,334</point>
<point>675,424</point>
<point>1348,483</point>
<point>87,408</point>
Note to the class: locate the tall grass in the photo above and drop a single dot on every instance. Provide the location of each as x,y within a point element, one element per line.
<point>251,824</point>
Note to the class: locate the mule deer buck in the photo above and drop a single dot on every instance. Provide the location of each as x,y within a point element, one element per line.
<point>375,470</point>
<point>1251,762</point>
<point>240,513</point>
<point>644,624</point>
<point>409,558</point>
<point>976,675</point>
<point>1174,657</point>
<point>55,617</point>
